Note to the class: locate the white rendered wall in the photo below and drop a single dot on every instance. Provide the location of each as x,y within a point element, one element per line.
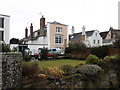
<point>96,38</point>
<point>39,43</point>
<point>48,34</point>
<point>6,28</point>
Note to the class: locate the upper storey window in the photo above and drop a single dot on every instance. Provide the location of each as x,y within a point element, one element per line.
<point>58,29</point>
<point>1,22</point>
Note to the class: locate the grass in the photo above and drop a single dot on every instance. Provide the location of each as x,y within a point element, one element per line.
<point>58,63</point>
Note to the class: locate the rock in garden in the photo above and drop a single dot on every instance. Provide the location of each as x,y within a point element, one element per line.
<point>89,69</point>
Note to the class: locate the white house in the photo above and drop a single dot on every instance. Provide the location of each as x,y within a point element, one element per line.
<point>4,28</point>
<point>51,35</point>
<point>90,38</point>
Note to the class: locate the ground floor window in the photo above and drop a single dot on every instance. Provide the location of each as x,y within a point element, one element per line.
<point>1,35</point>
<point>61,48</point>
<point>58,39</point>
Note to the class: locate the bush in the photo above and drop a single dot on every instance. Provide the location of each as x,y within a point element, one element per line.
<point>108,58</point>
<point>44,53</point>
<point>100,51</point>
<point>5,47</point>
<point>92,59</point>
<point>30,68</point>
<point>76,47</point>
<point>52,72</point>
<point>67,69</point>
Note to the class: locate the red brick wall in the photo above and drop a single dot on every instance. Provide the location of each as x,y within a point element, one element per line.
<point>113,51</point>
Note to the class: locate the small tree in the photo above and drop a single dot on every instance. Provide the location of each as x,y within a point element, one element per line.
<point>44,53</point>
<point>14,41</point>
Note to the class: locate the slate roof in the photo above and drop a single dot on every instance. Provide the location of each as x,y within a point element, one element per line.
<point>34,37</point>
<point>116,32</point>
<point>107,40</point>
<point>57,23</point>
<point>89,33</point>
<point>103,34</point>
<point>38,32</point>
<point>77,36</point>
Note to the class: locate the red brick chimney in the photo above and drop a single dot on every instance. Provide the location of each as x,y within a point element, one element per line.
<point>31,31</point>
<point>26,32</point>
<point>42,26</point>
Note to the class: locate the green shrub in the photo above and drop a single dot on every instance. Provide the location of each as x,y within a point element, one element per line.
<point>100,51</point>
<point>67,69</point>
<point>29,68</point>
<point>107,58</point>
<point>76,47</point>
<point>92,59</point>
<point>5,47</point>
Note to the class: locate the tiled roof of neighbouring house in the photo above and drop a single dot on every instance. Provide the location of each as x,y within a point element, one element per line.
<point>107,40</point>
<point>77,36</point>
<point>116,32</point>
<point>34,37</point>
<point>103,34</point>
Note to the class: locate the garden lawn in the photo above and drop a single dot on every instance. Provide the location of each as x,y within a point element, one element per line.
<point>58,63</point>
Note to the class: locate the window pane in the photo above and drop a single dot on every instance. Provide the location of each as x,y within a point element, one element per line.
<point>94,41</point>
<point>1,22</point>
<point>1,35</point>
<point>98,41</point>
<point>56,39</point>
<point>59,39</point>
<point>58,29</point>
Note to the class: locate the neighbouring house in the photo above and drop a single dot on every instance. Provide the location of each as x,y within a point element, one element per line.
<point>90,38</point>
<point>109,37</point>
<point>4,28</point>
<point>51,35</point>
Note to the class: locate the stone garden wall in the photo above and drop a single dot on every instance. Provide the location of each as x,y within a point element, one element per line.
<point>10,70</point>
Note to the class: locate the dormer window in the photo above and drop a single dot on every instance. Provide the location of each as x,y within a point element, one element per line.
<point>58,29</point>
<point>1,22</point>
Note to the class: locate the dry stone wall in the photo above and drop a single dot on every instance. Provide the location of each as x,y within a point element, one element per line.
<point>10,70</point>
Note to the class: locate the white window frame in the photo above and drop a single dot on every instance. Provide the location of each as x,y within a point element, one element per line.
<point>58,29</point>
<point>58,36</point>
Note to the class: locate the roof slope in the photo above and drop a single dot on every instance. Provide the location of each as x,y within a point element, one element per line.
<point>77,36</point>
<point>103,34</point>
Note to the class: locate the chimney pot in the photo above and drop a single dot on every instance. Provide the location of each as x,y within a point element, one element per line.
<point>42,26</point>
<point>31,31</point>
<point>26,32</point>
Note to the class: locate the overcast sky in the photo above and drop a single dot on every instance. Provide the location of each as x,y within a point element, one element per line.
<point>94,14</point>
